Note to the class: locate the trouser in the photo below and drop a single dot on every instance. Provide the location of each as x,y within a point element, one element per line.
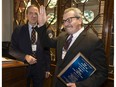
<point>35,82</point>
<point>35,78</point>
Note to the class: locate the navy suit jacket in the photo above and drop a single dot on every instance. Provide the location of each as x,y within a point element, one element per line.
<point>91,47</point>
<point>21,46</point>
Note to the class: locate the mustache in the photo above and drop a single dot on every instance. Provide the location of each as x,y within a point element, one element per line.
<point>68,26</point>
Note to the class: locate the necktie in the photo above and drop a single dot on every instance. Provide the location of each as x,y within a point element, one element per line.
<point>33,36</point>
<point>67,43</point>
<point>33,40</point>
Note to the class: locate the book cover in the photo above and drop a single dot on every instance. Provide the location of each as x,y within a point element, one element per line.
<point>77,70</point>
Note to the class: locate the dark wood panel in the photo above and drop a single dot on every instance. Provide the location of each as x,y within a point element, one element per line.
<point>13,74</point>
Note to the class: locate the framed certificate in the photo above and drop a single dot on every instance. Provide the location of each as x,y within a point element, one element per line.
<point>77,70</point>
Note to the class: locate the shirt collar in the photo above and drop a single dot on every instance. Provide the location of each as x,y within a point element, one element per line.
<point>30,26</point>
<point>78,32</point>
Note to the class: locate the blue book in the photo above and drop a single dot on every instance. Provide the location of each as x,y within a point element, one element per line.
<point>77,70</point>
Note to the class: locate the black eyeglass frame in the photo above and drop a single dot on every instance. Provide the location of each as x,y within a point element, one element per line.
<point>69,20</point>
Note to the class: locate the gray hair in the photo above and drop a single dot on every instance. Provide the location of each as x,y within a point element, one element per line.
<point>77,12</point>
<point>26,12</point>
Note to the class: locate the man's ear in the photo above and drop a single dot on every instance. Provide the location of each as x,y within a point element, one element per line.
<point>80,21</point>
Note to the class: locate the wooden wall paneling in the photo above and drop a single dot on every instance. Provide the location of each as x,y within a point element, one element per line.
<point>37,2</point>
<point>109,34</point>
<point>108,39</point>
<point>13,74</point>
<point>62,5</point>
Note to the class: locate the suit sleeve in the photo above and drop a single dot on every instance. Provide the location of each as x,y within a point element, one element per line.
<point>47,58</point>
<point>98,58</point>
<point>46,41</point>
<point>14,47</point>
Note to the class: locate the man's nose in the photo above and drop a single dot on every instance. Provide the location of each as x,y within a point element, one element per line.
<point>66,23</point>
<point>34,15</point>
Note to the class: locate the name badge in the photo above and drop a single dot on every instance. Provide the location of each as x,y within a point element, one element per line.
<point>34,47</point>
<point>63,54</point>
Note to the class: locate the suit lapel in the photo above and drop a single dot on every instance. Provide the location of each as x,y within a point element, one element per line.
<point>27,36</point>
<point>63,41</point>
<point>73,50</point>
<point>61,44</point>
<point>77,42</point>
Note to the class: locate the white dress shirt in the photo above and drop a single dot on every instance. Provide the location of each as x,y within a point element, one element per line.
<point>75,35</point>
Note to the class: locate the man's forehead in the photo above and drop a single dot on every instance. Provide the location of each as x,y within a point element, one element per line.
<point>68,14</point>
<point>33,8</point>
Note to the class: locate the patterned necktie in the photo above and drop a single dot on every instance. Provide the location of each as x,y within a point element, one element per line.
<point>67,43</point>
<point>33,36</point>
<point>33,40</point>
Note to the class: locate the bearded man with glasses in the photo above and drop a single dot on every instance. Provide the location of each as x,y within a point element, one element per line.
<point>81,40</point>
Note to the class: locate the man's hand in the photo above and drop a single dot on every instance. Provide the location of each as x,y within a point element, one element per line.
<point>42,16</point>
<point>30,59</point>
<point>47,75</point>
<point>71,85</point>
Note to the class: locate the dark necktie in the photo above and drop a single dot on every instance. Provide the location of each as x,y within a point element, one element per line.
<point>33,36</point>
<point>33,40</point>
<point>67,43</point>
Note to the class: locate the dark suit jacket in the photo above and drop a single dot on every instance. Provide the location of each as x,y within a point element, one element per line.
<point>91,47</point>
<point>21,46</point>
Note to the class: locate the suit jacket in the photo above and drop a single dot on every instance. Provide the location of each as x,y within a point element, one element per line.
<point>21,46</point>
<point>91,47</point>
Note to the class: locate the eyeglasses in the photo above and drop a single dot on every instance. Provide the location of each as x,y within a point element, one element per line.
<point>69,20</point>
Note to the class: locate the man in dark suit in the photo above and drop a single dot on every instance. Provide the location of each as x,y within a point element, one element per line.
<point>33,53</point>
<point>83,41</point>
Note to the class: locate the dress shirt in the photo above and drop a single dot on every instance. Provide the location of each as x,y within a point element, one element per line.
<point>30,30</point>
<point>75,35</point>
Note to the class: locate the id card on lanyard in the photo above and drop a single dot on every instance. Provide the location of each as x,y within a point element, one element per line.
<point>34,47</point>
